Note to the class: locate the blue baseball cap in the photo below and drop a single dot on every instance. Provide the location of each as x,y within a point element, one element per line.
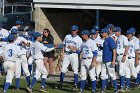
<point>97,28</point>
<point>133,29</point>
<point>85,32</point>
<point>14,31</point>
<point>18,22</point>
<point>37,34</point>
<point>104,30</point>
<point>129,31</point>
<point>93,31</point>
<point>11,37</point>
<point>110,26</point>
<point>117,29</point>
<point>74,27</point>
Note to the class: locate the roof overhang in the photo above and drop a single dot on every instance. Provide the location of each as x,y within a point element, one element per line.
<point>127,5</point>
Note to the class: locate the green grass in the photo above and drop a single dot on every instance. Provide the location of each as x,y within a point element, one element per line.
<point>68,87</point>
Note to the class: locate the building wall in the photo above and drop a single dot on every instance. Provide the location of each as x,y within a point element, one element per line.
<point>58,21</point>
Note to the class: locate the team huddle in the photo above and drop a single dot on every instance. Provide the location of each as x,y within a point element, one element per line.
<point>106,56</point>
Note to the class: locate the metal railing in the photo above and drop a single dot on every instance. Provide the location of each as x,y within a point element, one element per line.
<point>13,6</point>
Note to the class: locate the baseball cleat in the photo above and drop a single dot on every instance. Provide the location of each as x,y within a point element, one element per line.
<point>75,88</point>
<point>122,90</point>
<point>127,89</point>
<point>44,90</point>
<point>103,91</point>
<point>93,91</point>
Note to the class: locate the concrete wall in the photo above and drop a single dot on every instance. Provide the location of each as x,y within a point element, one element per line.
<point>41,22</point>
<point>58,21</point>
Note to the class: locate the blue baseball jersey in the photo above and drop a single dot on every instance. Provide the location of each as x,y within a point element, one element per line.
<point>108,47</point>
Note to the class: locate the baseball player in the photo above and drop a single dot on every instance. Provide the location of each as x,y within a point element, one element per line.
<point>139,62</point>
<point>17,25</point>
<point>22,62</point>
<point>132,57</point>
<point>72,43</point>
<point>10,54</point>
<point>138,67</point>
<point>36,51</point>
<point>29,57</point>
<point>97,28</point>
<point>89,54</point>
<point>111,28</point>
<point>122,56</point>
<point>3,35</point>
<point>109,57</point>
<point>99,43</point>
<point>3,32</point>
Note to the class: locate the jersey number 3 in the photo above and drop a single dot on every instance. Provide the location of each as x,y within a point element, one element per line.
<point>10,52</point>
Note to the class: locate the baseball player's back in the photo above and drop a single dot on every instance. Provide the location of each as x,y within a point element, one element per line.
<point>10,52</point>
<point>19,42</point>
<point>37,48</point>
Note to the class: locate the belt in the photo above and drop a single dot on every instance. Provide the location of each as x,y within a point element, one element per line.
<point>23,54</point>
<point>87,58</point>
<point>131,57</point>
<point>119,54</point>
<point>11,61</point>
<point>39,58</point>
<point>69,53</point>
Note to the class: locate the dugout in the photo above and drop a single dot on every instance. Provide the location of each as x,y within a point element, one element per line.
<point>59,15</point>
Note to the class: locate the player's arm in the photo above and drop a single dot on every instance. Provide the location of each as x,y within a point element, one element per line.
<point>94,59</point>
<point>95,53</point>
<point>25,42</point>
<point>62,53</point>
<point>77,48</point>
<point>114,56</point>
<point>1,55</point>
<point>136,52</point>
<point>46,49</point>
<point>113,47</point>
<point>136,57</point>
<point>126,44</point>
